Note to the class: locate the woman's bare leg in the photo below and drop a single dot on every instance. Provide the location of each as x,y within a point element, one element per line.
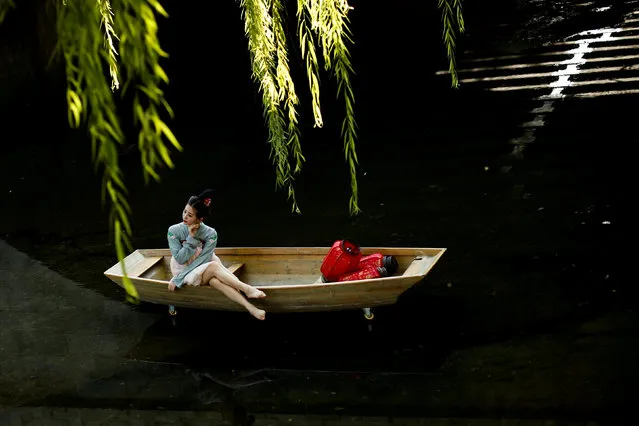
<point>217,270</point>
<point>237,297</point>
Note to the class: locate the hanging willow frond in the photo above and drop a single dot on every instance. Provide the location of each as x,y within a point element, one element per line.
<point>5,7</point>
<point>87,36</point>
<point>90,100</point>
<point>140,53</point>
<point>288,96</point>
<point>263,48</point>
<point>109,37</point>
<point>286,86</point>
<point>329,20</point>
<point>306,10</point>
<point>451,14</point>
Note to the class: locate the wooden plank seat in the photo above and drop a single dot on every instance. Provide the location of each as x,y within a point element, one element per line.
<point>235,267</point>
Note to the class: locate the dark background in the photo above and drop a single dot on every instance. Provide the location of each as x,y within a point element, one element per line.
<point>528,251</point>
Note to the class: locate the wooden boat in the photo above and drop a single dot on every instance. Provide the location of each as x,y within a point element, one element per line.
<point>288,276</point>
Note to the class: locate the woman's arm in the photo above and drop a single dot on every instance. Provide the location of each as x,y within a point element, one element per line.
<point>181,252</point>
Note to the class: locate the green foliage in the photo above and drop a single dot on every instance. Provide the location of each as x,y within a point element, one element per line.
<point>322,22</point>
<point>140,55</point>
<point>451,15</point>
<point>307,44</point>
<point>89,38</point>
<point>92,34</point>
<point>330,19</point>
<point>110,38</point>
<point>90,101</point>
<point>269,61</point>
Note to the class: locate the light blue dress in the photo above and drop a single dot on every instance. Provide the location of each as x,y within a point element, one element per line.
<point>184,247</point>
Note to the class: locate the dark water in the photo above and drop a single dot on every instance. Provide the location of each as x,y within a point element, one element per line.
<point>529,314</point>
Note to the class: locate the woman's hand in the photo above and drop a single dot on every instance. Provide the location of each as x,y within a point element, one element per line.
<point>198,252</point>
<point>171,286</point>
<point>193,229</point>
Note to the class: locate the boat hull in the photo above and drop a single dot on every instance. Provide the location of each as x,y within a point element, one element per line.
<point>288,276</point>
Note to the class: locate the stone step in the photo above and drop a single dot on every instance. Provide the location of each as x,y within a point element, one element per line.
<point>42,416</point>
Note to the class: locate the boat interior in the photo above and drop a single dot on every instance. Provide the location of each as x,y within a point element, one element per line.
<point>273,266</point>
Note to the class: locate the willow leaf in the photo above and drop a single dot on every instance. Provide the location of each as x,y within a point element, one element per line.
<point>140,54</point>
<point>132,293</point>
<point>263,48</point>
<point>306,11</point>
<point>81,29</point>
<point>329,18</point>
<point>109,36</point>
<point>451,11</point>
<point>288,96</point>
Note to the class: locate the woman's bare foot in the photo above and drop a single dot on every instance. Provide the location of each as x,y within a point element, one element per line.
<point>253,293</point>
<point>260,314</point>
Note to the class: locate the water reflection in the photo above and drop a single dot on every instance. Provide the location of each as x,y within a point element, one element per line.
<point>586,72</point>
<point>219,388</point>
<point>563,81</point>
<point>335,341</point>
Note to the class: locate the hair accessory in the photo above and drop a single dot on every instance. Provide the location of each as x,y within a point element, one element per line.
<point>207,202</point>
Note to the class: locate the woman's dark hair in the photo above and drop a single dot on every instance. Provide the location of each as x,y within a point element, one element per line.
<point>202,203</point>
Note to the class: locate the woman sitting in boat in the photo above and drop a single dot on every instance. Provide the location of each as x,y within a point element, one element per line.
<point>194,262</point>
